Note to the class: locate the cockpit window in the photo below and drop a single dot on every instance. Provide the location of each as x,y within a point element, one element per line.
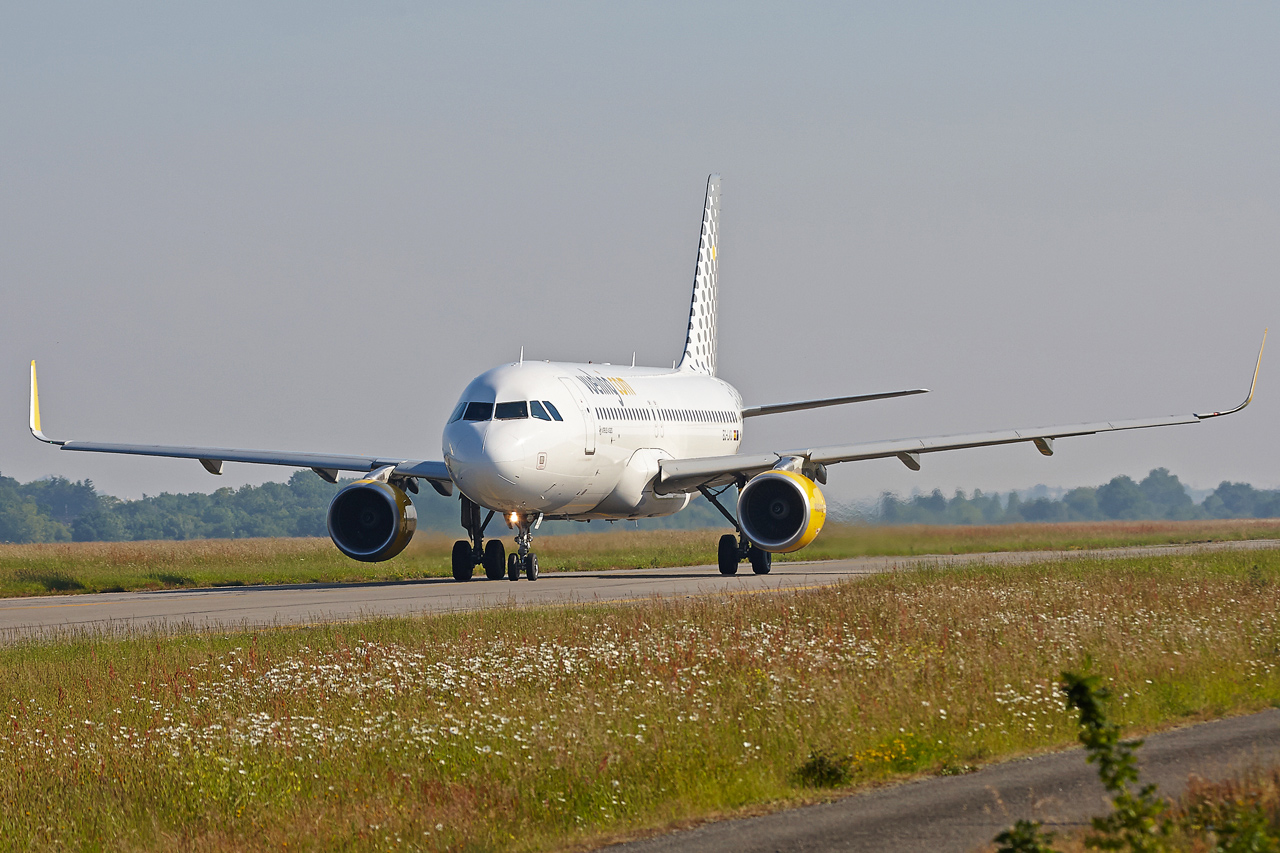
<point>552,409</point>
<point>535,409</point>
<point>457,413</point>
<point>511,411</point>
<point>478,412</point>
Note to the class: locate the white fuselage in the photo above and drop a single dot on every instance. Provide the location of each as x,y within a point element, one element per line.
<point>600,458</point>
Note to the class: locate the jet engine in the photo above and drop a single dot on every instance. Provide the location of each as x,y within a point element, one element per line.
<point>781,511</point>
<point>371,521</point>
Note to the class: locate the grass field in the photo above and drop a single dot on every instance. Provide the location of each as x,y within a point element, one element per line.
<point>551,729</point>
<point>118,566</point>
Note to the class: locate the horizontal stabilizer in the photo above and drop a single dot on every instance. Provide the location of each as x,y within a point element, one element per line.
<point>801,405</point>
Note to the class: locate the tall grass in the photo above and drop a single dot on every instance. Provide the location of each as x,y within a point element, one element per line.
<point>539,729</point>
<point>119,566</point>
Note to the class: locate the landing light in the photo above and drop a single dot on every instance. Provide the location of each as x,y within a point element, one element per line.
<point>515,517</point>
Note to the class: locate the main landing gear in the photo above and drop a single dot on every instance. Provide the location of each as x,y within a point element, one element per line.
<point>469,554</point>
<point>734,549</point>
<point>474,551</point>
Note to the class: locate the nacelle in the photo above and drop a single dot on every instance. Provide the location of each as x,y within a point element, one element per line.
<point>371,521</point>
<point>781,511</point>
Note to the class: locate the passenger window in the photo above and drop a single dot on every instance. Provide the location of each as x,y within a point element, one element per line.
<point>478,412</point>
<point>457,413</point>
<point>552,409</point>
<point>513,411</point>
<point>535,409</point>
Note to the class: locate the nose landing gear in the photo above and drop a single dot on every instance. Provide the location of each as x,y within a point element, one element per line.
<point>524,558</point>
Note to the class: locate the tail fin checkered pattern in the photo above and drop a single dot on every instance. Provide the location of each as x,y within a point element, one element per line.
<point>700,343</point>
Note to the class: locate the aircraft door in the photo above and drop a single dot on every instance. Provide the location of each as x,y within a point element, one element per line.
<point>588,417</point>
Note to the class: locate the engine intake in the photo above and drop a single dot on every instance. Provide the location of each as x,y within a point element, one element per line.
<point>781,511</point>
<point>371,521</point>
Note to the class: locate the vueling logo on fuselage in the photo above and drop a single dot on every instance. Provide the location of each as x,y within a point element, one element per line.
<point>608,385</point>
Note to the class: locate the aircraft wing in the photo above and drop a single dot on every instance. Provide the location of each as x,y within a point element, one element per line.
<point>327,465</point>
<point>689,475</point>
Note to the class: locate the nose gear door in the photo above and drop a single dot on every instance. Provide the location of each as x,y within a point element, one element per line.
<point>588,417</point>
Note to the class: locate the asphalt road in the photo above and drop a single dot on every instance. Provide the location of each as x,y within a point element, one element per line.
<point>963,813</point>
<point>256,606</point>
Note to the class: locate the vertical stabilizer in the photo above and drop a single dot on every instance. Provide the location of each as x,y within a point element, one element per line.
<point>700,343</point>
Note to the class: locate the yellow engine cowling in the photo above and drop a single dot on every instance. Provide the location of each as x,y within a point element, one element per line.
<point>781,511</point>
<point>371,521</point>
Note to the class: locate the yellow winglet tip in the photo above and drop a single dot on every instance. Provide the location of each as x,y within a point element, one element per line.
<point>1258,367</point>
<point>1252,385</point>
<point>35,410</point>
<point>35,400</point>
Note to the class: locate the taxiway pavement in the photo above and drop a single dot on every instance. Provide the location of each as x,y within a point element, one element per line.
<point>258,606</point>
<point>955,814</point>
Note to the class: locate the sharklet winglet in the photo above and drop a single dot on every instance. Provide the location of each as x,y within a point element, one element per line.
<point>35,410</point>
<point>1252,385</point>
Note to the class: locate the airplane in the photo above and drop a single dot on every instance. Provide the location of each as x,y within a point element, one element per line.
<point>537,440</point>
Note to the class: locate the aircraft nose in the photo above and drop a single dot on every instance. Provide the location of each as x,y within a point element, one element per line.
<point>503,445</point>
<point>463,443</point>
<point>487,462</point>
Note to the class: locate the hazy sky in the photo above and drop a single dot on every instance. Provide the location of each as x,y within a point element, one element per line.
<point>307,226</point>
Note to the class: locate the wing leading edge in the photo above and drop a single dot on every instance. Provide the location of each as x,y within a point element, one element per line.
<point>327,465</point>
<point>687,475</point>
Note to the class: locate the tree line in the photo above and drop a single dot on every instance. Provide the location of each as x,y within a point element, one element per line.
<point>56,509</point>
<point>59,510</point>
<point>1159,495</point>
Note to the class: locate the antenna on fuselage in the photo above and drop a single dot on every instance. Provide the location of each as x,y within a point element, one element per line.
<point>522,355</point>
<point>633,359</point>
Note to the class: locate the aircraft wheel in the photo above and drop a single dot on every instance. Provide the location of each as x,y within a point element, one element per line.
<point>728,554</point>
<point>495,558</point>
<point>463,564</point>
<point>531,567</point>
<point>513,567</point>
<point>761,561</point>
